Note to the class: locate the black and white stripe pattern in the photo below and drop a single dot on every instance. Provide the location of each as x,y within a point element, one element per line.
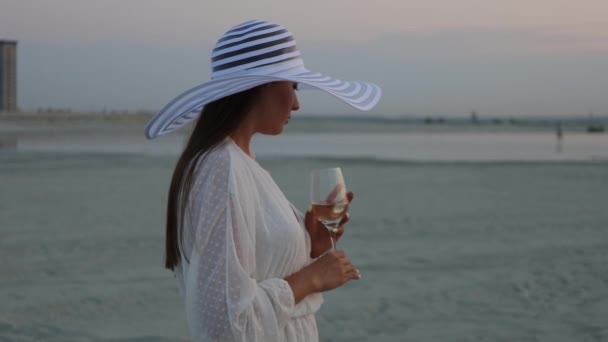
<point>251,45</point>
<point>248,55</point>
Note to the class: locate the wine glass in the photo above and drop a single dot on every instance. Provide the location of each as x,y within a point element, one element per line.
<point>328,199</point>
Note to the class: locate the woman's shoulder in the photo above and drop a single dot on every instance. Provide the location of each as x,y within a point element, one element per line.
<point>223,160</point>
<point>211,176</point>
<point>227,161</point>
<point>214,161</point>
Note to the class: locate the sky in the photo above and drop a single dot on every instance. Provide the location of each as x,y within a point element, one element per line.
<point>501,58</point>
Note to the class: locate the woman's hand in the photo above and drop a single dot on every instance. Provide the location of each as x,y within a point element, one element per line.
<point>319,235</point>
<point>330,271</point>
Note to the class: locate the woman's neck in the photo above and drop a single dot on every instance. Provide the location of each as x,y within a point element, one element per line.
<point>242,137</point>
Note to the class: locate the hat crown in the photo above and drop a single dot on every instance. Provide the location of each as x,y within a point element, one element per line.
<point>255,47</point>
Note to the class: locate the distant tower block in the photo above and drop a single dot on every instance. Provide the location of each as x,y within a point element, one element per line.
<point>8,75</point>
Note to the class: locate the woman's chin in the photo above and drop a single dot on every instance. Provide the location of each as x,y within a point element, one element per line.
<point>276,131</point>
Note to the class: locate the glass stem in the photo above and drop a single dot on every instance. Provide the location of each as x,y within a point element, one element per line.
<point>332,238</point>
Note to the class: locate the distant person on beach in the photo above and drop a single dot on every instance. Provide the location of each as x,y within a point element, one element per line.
<point>558,131</point>
<point>249,265</point>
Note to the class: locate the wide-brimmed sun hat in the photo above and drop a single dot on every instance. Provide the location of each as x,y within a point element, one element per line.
<point>250,54</point>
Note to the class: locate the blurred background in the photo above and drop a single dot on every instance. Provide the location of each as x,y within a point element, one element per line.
<point>481,178</point>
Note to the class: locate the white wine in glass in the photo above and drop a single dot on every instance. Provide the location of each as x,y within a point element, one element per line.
<point>328,198</point>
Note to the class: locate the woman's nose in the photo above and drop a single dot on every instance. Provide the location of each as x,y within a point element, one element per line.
<point>296,103</point>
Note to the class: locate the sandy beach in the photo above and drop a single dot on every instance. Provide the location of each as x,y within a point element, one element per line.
<point>449,250</point>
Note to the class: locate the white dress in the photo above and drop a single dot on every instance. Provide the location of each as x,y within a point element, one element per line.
<point>241,238</point>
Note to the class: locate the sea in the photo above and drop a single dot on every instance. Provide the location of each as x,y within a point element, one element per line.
<point>461,232</point>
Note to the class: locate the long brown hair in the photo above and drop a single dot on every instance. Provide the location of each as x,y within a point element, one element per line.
<point>217,120</point>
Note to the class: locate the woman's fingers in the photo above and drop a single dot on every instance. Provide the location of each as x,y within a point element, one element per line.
<point>309,219</point>
<point>334,270</point>
<point>345,219</point>
<point>340,255</point>
<point>345,262</point>
<point>339,231</point>
<point>352,273</point>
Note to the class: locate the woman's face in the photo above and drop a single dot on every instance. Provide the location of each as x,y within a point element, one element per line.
<point>277,101</point>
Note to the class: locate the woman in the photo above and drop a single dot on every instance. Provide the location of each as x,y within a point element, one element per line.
<point>249,265</point>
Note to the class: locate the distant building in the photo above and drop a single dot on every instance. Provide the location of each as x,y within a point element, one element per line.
<point>8,75</point>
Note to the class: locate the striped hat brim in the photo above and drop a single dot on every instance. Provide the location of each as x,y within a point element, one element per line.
<point>188,105</point>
